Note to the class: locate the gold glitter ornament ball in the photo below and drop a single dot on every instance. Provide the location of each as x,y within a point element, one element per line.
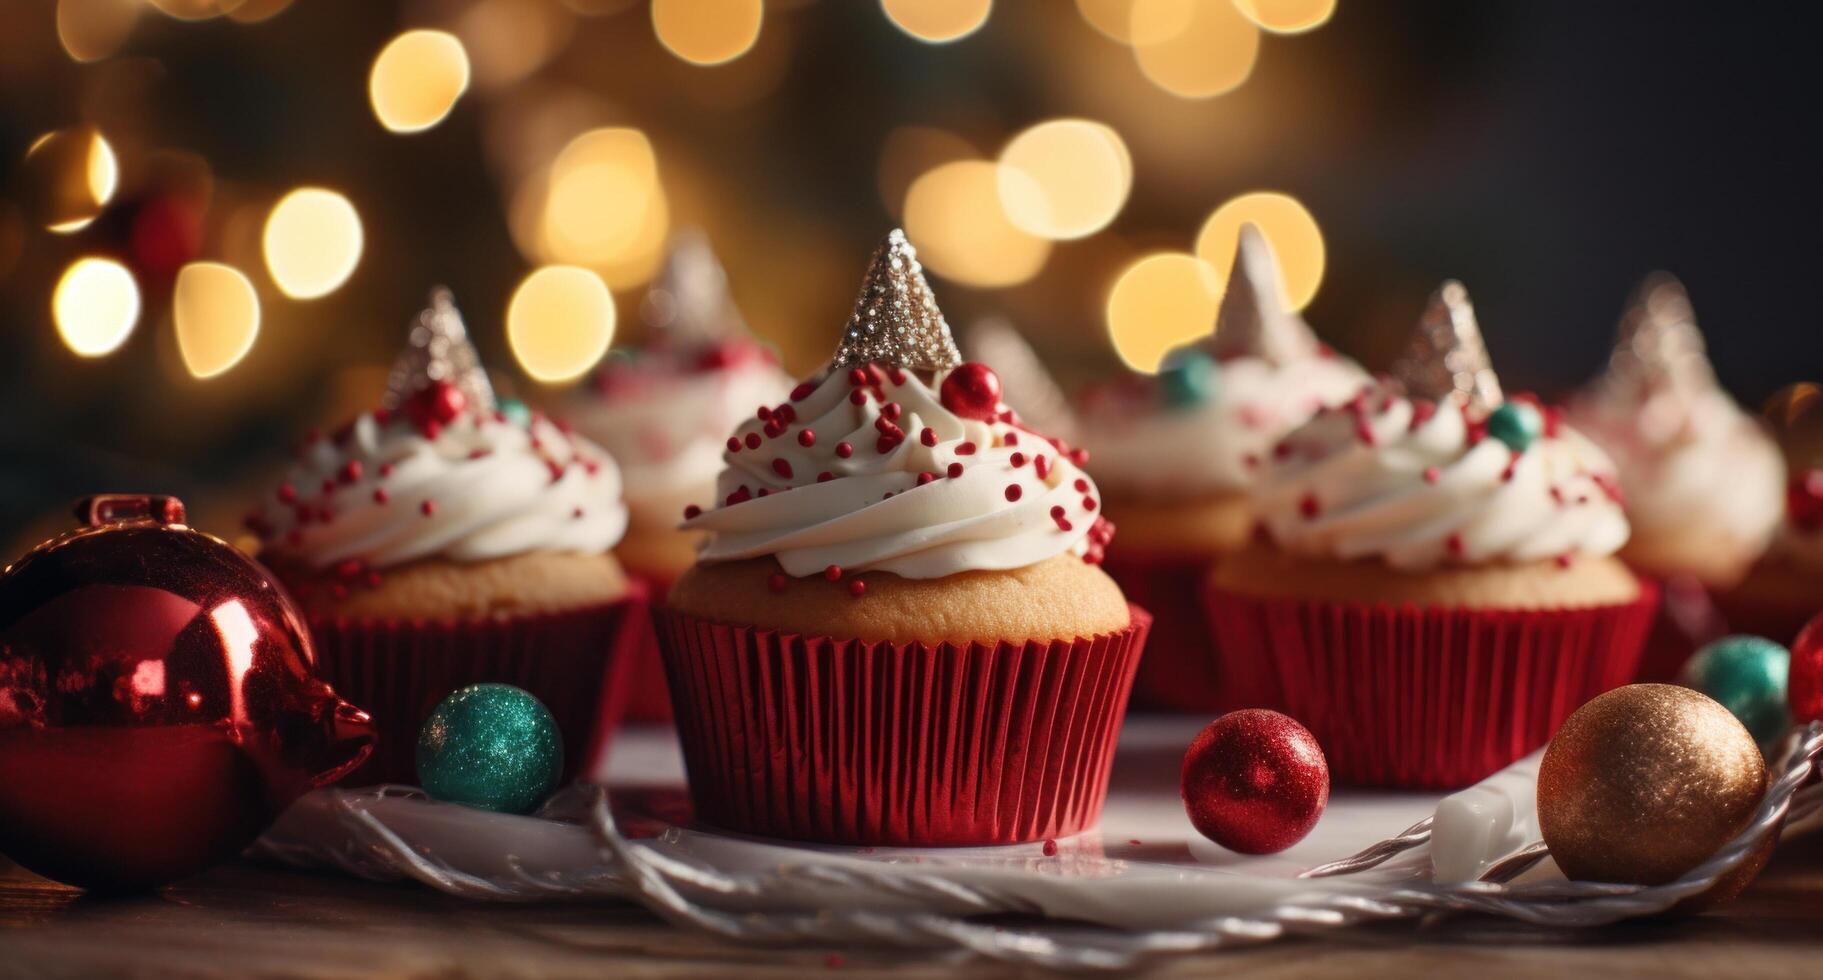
<point>1646,782</point>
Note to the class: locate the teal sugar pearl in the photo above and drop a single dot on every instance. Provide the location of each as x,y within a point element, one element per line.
<point>1187,377</point>
<point>1747,674</point>
<point>491,746</point>
<point>1517,424</point>
<point>516,411</point>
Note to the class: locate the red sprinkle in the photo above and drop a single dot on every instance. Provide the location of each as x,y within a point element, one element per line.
<point>966,449</point>
<point>576,514</point>
<point>734,444</point>
<point>825,476</point>
<point>1063,522</point>
<point>926,477</point>
<point>802,391</point>
<point>692,512</point>
<point>287,494</point>
<point>1050,847</point>
<point>844,450</point>
<point>1088,503</point>
<point>1081,485</point>
<point>427,507</point>
<point>351,471</point>
<point>955,470</point>
<point>892,411</point>
<point>765,413</point>
<point>833,572</point>
<point>1018,460</point>
<point>1079,456</point>
<point>857,377</point>
<point>1041,466</point>
<point>1013,492</point>
<point>752,440</point>
<point>1563,560</point>
<point>1308,506</point>
<point>777,582</point>
<point>857,588</point>
<point>385,470</point>
<point>885,444</point>
<point>740,496</point>
<point>1011,439</point>
<point>328,485</point>
<point>782,467</point>
<point>897,376</point>
<point>1506,475</point>
<point>808,437</point>
<point>1454,544</point>
<point>857,396</point>
<point>927,436</point>
<point>1432,474</point>
<point>1421,413</point>
<point>380,495</point>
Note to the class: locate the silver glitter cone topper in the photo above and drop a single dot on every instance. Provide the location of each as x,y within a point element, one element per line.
<point>438,349</point>
<point>688,304</point>
<point>896,319</point>
<point>1253,320</point>
<point>1447,354</point>
<point>1659,344</point>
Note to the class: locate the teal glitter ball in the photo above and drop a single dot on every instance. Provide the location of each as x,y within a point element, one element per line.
<point>1747,675</point>
<point>516,411</point>
<point>1187,377</point>
<point>1517,424</point>
<point>491,746</point>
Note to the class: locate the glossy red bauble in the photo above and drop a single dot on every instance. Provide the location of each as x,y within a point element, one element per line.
<point>1254,781</point>
<point>439,402</point>
<point>1804,686</point>
<point>158,706</point>
<point>972,391</point>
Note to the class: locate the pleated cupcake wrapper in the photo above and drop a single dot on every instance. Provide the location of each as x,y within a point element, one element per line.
<point>1687,618</point>
<point>648,700</point>
<point>1433,698</point>
<point>1182,670</point>
<point>843,742</point>
<point>577,662</point>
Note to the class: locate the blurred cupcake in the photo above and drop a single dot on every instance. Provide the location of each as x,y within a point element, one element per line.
<point>664,411</point>
<point>1703,480</point>
<point>436,542</point>
<point>1438,589</point>
<point>1784,590</point>
<point>1178,453</point>
<point>897,633</point>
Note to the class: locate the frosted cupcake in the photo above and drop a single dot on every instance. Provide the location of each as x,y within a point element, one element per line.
<point>1178,454</point>
<point>1784,590</point>
<point>664,411</point>
<point>1703,480</point>
<point>1438,588</point>
<point>436,542</point>
<point>897,633</point>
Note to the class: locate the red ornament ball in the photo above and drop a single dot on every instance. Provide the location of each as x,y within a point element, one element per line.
<point>1254,781</point>
<point>1804,499</point>
<point>972,391</point>
<point>439,402</point>
<point>1804,688</point>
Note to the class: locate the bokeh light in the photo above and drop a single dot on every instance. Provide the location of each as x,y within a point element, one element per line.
<point>1066,178</point>
<point>707,32</point>
<point>909,152</point>
<point>560,322</point>
<point>1289,228</point>
<point>94,29</point>
<point>1288,16</point>
<point>312,242</point>
<point>216,315</point>
<point>1212,52</point>
<point>1114,18</point>
<point>938,21</point>
<point>254,11</point>
<point>195,9</point>
<point>95,306</point>
<point>601,206</point>
<point>70,175</point>
<point>416,80</point>
<point>954,216</point>
<point>1159,302</point>
<point>507,40</point>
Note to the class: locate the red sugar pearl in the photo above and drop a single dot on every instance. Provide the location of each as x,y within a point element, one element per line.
<point>955,470</point>
<point>965,449</point>
<point>1088,503</point>
<point>734,444</point>
<point>1308,505</point>
<point>802,391</point>
<point>1057,514</point>
<point>1018,460</point>
<point>328,485</point>
<point>897,375</point>
<point>1014,492</point>
<point>857,377</point>
<point>576,514</point>
<point>1081,485</point>
<point>1079,456</point>
<point>1432,474</point>
<point>740,496</point>
<point>825,476</point>
<point>807,438</point>
<point>385,470</point>
<point>886,444</point>
<point>972,391</point>
<point>782,467</point>
<point>752,440</point>
<point>857,397</point>
<point>892,411</point>
<point>857,588</point>
<point>1041,466</point>
<point>765,413</point>
<point>1454,544</point>
<point>776,582</point>
<point>927,436</point>
<point>1010,439</point>
<point>833,572</point>
<point>380,495</point>
<point>844,450</point>
<point>692,512</point>
<point>351,471</point>
<point>926,477</point>
<point>427,507</point>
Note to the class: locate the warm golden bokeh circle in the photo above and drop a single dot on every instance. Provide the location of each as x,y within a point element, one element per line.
<point>1289,228</point>
<point>1159,302</point>
<point>954,216</point>
<point>560,322</point>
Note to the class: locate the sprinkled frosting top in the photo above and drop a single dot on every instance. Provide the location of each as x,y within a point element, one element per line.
<point>1420,483</point>
<point>440,477</point>
<point>1205,423</point>
<point>1688,455</point>
<point>873,467</point>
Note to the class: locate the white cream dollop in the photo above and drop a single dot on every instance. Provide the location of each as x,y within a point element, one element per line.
<point>664,422</point>
<point>823,481</point>
<point>1414,484</point>
<point>385,492</point>
<point>1142,445</point>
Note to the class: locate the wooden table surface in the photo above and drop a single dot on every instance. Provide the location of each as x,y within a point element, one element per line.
<point>247,920</point>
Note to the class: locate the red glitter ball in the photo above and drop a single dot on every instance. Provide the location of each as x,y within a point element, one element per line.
<point>955,470</point>
<point>844,450</point>
<point>833,572</point>
<point>1805,687</point>
<point>782,467</point>
<point>1013,491</point>
<point>777,582</point>
<point>927,436</point>
<point>972,391</point>
<point>438,403</point>
<point>807,438</point>
<point>1254,781</point>
<point>692,512</point>
<point>857,588</point>
<point>752,440</point>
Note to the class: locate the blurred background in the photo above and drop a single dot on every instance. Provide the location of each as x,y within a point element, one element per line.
<point>218,216</point>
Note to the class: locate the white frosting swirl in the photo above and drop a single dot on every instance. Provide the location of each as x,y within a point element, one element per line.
<point>1143,445</point>
<point>1377,478</point>
<point>664,421</point>
<point>850,495</point>
<point>384,492</point>
<point>1688,457</point>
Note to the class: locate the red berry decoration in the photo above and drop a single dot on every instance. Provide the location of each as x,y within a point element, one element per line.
<point>435,406</point>
<point>1255,781</point>
<point>1804,687</point>
<point>972,391</point>
<point>1804,499</point>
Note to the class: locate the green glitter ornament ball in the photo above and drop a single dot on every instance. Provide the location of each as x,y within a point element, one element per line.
<point>491,746</point>
<point>1747,674</point>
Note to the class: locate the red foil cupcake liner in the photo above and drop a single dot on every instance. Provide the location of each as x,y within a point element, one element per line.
<point>648,700</point>
<point>1687,619</point>
<point>577,662</point>
<point>1433,698</point>
<point>1183,669</point>
<point>843,742</point>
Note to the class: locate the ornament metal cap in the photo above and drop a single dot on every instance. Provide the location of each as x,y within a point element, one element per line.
<point>1447,355</point>
<point>1041,402</point>
<point>1253,320</point>
<point>688,304</point>
<point>1659,342</point>
<point>438,349</point>
<point>896,319</point>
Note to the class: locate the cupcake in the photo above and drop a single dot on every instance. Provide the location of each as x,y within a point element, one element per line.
<point>663,411</point>
<point>1178,453</point>
<point>1703,480</point>
<point>438,542</point>
<point>1784,590</point>
<point>1437,587</point>
<point>896,632</point>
